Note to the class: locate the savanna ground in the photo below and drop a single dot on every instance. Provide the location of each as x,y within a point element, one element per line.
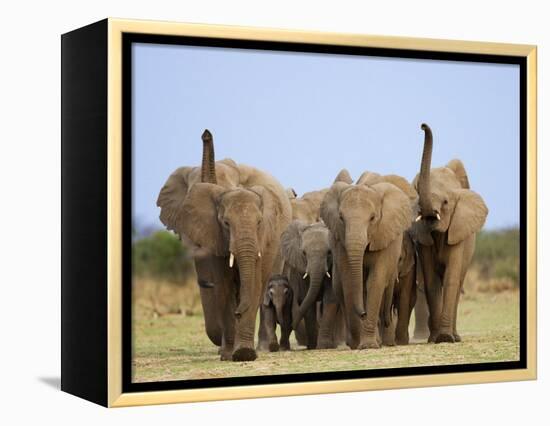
<point>175,346</point>
<point>170,343</point>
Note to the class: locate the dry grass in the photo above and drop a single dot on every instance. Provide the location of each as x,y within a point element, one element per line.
<point>169,346</point>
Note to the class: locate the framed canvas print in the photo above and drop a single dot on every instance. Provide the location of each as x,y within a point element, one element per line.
<point>255,212</point>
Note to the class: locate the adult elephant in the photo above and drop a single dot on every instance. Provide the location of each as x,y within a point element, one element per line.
<point>367,223</point>
<point>450,215</point>
<point>404,290</point>
<point>232,215</point>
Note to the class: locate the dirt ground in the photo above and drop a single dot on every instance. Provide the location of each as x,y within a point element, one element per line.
<point>175,346</point>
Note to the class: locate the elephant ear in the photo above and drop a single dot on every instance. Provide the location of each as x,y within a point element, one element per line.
<point>291,243</point>
<point>395,216</point>
<point>343,176</point>
<point>197,219</point>
<point>271,212</point>
<point>329,210</point>
<point>460,172</point>
<point>171,197</point>
<point>468,217</point>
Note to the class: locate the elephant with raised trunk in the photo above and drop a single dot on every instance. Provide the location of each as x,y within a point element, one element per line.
<point>450,215</point>
<point>232,216</point>
<point>367,223</point>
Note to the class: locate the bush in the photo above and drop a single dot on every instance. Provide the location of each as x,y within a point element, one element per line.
<point>497,255</point>
<point>162,256</point>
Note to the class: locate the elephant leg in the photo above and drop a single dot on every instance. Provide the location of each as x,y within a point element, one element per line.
<point>310,319</point>
<point>286,329</point>
<point>451,291</point>
<point>421,316</point>
<point>211,309</point>
<point>264,337</point>
<point>295,281</point>
<point>405,303</point>
<point>376,285</point>
<point>327,327</point>
<point>456,336</point>
<point>269,325</point>
<point>227,300</point>
<point>387,319</point>
<point>432,286</point>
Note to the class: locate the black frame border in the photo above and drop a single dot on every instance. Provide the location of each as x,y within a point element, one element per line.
<point>129,38</point>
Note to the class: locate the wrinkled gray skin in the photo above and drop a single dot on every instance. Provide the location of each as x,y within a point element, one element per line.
<point>308,259</point>
<point>404,294</point>
<point>450,215</point>
<point>277,309</point>
<point>231,216</point>
<point>367,223</point>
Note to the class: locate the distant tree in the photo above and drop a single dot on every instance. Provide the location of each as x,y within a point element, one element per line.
<point>161,255</point>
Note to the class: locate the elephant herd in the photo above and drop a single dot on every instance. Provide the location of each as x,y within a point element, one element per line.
<point>337,265</point>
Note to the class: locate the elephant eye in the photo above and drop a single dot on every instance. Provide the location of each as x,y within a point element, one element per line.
<point>286,290</point>
<point>341,217</point>
<point>226,223</point>
<point>445,201</point>
<point>271,291</point>
<point>372,217</point>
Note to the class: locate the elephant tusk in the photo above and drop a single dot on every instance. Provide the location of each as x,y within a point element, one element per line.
<point>305,276</point>
<point>231,259</point>
<point>437,216</point>
<point>328,274</point>
<point>259,254</point>
<point>418,218</point>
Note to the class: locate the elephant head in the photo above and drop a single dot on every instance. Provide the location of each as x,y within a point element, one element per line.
<point>364,218</point>
<point>306,249</point>
<point>446,202</point>
<point>236,223</point>
<point>279,294</point>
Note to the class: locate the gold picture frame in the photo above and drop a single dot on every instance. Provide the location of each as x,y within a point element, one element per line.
<point>114,30</point>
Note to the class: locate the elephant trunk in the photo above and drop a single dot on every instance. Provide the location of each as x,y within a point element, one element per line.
<point>353,291</point>
<point>208,167</point>
<point>315,282</point>
<point>424,190</point>
<point>246,254</point>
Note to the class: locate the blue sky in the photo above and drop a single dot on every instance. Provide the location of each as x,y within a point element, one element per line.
<point>302,117</point>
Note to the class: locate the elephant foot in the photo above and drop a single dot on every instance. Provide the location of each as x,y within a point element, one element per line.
<point>373,344</point>
<point>457,337</point>
<point>402,340</point>
<point>432,338</point>
<point>244,354</point>
<point>285,347</point>
<point>326,345</point>
<point>274,347</point>
<point>444,338</point>
<point>388,343</point>
<point>264,347</point>
<point>226,356</point>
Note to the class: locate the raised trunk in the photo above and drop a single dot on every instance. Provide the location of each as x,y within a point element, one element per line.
<point>424,190</point>
<point>208,167</point>
<point>315,283</point>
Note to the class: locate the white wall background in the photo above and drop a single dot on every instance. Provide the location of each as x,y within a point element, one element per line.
<point>30,209</point>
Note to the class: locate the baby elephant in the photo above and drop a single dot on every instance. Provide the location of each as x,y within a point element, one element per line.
<point>277,308</point>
